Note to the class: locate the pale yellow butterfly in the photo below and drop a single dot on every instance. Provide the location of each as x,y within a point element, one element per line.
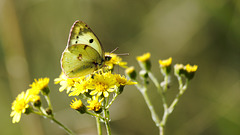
<point>84,53</point>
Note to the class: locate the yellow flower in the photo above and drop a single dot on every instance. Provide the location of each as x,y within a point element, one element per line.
<point>67,83</point>
<point>115,60</point>
<point>190,68</point>
<point>165,66</point>
<point>19,106</point>
<point>76,104</point>
<point>94,104</point>
<point>121,80</point>
<point>39,85</point>
<point>130,70</point>
<point>80,87</point>
<point>144,57</point>
<point>102,83</point>
<point>33,95</point>
<point>165,63</point>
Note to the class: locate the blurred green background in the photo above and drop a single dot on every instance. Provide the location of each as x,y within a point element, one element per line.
<point>33,34</point>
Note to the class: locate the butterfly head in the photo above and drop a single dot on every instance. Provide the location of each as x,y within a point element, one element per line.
<point>108,58</point>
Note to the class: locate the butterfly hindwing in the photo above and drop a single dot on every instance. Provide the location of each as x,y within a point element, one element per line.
<point>81,34</point>
<point>79,60</point>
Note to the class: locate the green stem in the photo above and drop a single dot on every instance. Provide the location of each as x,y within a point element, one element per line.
<point>162,123</point>
<point>149,104</point>
<point>99,128</point>
<point>182,89</point>
<point>165,83</point>
<point>106,116</point>
<point>113,99</point>
<point>108,127</point>
<point>95,115</point>
<point>155,81</point>
<point>168,111</point>
<point>48,101</point>
<point>161,130</point>
<point>62,126</point>
<point>162,93</point>
<point>165,106</point>
<point>53,119</point>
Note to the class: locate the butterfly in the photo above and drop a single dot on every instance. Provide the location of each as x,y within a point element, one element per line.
<point>84,53</point>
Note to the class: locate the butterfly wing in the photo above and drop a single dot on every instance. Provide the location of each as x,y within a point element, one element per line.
<point>80,33</point>
<point>79,60</point>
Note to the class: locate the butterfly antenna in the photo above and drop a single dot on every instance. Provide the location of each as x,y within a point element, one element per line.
<point>114,50</point>
<point>122,54</point>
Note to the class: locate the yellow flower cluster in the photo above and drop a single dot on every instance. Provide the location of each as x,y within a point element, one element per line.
<point>21,103</point>
<point>96,86</point>
<point>165,65</point>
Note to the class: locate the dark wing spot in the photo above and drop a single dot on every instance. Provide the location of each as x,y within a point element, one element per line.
<point>91,40</point>
<point>80,57</point>
<point>85,47</point>
<point>76,42</point>
<point>77,36</point>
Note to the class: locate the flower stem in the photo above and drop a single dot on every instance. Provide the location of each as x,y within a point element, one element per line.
<point>150,106</point>
<point>95,115</point>
<point>48,101</point>
<point>113,99</point>
<point>107,127</point>
<point>99,128</point>
<point>62,126</point>
<point>106,118</point>
<point>155,81</point>
<point>51,117</point>
<point>169,110</point>
<point>161,130</point>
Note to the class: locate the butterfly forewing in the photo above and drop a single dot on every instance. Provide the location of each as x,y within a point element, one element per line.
<point>81,34</point>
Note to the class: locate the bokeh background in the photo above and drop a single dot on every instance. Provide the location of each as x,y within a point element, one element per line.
<point>33,34</point>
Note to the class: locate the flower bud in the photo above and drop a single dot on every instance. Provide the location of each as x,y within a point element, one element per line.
<point>165,66</point>
<point>190,71</point>
<point>144,61</point>
<point>120,89</point>
<point>131,73</point>
<point>78,105</point>
<point>143,74</point>
<point>178,69</point>
<point>45,91</point>
<point>37,103</point>
<point>28,110</point>
<point>49,111</point>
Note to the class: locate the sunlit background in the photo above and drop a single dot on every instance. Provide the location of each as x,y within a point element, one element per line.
<point>33,34</point>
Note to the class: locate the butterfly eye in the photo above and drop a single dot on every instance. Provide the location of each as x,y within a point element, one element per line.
<point>91,40</point>
<point>108,58</point>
